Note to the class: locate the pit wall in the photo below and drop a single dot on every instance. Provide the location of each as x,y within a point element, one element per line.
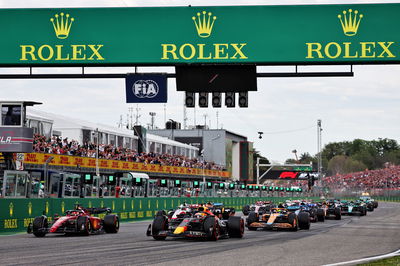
<point>16,214</point>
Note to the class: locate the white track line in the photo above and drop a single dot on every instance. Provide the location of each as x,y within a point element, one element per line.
<point>396,253</point>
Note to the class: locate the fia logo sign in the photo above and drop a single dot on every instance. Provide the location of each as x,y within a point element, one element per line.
<point>145,89</point>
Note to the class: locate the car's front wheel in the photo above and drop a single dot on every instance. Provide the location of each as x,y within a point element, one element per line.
<point>111,224</point>
<point>39,226</point>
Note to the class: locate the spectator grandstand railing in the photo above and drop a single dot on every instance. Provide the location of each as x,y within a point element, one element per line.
<point>117,165</point>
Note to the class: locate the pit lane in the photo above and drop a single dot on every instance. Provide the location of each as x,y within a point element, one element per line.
<point>329,242</point>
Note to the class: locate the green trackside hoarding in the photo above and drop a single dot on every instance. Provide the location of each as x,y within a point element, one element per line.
<point>306,34</point>
<point>16,214</point>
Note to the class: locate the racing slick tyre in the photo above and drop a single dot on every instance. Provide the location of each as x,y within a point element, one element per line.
<point>211,228</point>
<point>159,224</point>
<point>111,224</point>
<point>370,207</point>
<point>321,215</point>
<point>363,211</point>
<point>38,224</point>
<point>235,226</point>
<point>246,210</point>
<point>83,225</point>
<point>304,220</point>
<point>161,213</point>
<point>313,215</point>
<point>375,204</point>
<point>252,218</point>
<point>338,214</point>
<point>292,219</point>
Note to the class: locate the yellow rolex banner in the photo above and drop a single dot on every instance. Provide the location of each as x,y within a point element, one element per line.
<point>85,162</point>
<point>354,33</point>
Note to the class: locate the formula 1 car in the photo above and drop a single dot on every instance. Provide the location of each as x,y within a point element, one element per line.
<point>175,217</point>
<point>353,208</point>
<point>316,213</point>
<point>278,218</point>
<point>371,203</point>
<point>260,207</point>
<point>202,224</point>
<point>76,221</point>
<point>332,208</point>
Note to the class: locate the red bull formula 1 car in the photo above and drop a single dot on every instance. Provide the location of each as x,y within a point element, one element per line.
<point>200,223</point>
<point>76,221</point>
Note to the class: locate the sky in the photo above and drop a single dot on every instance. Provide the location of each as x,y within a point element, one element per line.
<point>365,106</point>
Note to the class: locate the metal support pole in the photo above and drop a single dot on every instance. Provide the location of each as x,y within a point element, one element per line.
<point>319,144</point>
<point>258,170</point>
<point>46,176</point>
<point>97,153</point>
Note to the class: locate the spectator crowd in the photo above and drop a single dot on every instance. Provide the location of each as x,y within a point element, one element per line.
<point>386,178</point>
<point>56,145</point>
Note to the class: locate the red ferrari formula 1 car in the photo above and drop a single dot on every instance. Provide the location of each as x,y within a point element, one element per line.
<point>77,221</point>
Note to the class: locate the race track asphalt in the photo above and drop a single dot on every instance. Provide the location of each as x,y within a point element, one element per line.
<point>329,242</point>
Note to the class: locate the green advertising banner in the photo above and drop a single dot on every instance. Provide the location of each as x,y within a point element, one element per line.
<point>16,214</point>
<point>365,33</point>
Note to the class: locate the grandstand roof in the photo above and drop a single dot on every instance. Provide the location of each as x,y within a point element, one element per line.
<point>159,139</point>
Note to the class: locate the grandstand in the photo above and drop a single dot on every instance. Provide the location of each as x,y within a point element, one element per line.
<point>49,124</point>
<point>379,182</point>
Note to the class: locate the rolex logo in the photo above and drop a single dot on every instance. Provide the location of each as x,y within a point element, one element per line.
<point>62,25</point>
<point>204,23</point>
<point>350,22</point>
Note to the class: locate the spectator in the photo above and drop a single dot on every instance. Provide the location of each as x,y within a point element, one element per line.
<point>56,145</point>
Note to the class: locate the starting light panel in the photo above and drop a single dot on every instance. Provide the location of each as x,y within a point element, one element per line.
<point>196,184</point>
<point>221,185</point>
<point>271,188</point>
<point>264,188</point>
<point>177,183</point>
<point>209,185</point>
<point>216,78</point>
<point>243,187</point>
<point>231,186</point>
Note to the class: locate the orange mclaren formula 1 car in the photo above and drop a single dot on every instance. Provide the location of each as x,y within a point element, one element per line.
<point>278,218</point>
<point>203,223</point>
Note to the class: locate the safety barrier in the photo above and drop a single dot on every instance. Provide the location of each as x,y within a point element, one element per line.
<point>388,199</point>
<point>16,214</point>
<point>378,198</point>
